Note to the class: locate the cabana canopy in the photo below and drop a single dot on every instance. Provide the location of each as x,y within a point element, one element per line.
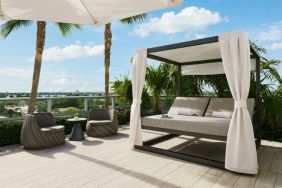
<point>230,54</point>
<point>198,57</point>
<point>92,12</point>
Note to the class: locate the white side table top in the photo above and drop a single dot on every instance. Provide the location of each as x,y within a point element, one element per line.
<point>77,119</point>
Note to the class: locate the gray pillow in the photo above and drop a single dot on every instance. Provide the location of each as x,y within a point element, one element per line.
<point>197,104</point>
<point>227,105</point>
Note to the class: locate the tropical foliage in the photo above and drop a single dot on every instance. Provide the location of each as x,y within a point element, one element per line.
<point>123,88</point>
<point>12,25</point>
<point>107,52</point>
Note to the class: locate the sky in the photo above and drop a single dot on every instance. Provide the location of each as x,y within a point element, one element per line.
<point>77,62</point>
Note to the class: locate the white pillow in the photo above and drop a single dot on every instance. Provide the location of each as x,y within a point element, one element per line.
<point>221,114</point>
<point>185,112</point>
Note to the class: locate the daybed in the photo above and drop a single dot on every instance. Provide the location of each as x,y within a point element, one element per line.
<point>201,123</point>
<point>231,54</point>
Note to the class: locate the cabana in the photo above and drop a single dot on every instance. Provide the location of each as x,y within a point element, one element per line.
<point>229,53</point>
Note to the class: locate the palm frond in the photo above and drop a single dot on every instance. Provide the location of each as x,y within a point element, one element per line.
<point>66,28</point>
<point>259,48</point>
<point>12,25</point>
<point>134,19</point>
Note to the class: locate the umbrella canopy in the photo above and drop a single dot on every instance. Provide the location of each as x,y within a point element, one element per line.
<point>89,12</point>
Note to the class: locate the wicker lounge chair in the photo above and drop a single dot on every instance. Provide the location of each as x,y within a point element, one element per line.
<point>101,123</point>
<point>40,131</point>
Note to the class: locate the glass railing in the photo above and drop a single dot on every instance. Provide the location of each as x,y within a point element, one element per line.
<point>16,108</point>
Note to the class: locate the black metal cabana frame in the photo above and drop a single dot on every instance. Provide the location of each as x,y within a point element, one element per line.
<point>147,145</point>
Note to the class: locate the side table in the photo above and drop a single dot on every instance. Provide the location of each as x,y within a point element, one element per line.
<point>77,132</point>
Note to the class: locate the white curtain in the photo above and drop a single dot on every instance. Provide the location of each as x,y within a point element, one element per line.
<point>241,155</point>
<point>138,80</point>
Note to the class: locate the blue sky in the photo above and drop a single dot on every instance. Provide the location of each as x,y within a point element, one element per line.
<point>76,62</point>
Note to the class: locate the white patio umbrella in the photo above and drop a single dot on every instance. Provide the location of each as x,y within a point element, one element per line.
<point>89,12</point>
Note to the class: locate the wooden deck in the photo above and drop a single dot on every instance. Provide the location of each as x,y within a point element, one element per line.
<point>111,163</point>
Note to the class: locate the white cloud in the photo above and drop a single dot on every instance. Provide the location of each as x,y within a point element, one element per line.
<point>73,51</point>
<point>271,32</point>
<point>199,36</point>
<point>15,72</point>
<point>59,81</point>
<point>189,19</point>
<point>276,46</point>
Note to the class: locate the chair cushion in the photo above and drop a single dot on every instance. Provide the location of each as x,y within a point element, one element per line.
<point>99,122</point>
<point>56,128</point>
<point>45,119</point>
<point>195,124</point>
<point>197,104</point>
<point>227,105</point>
<point>99,114</point>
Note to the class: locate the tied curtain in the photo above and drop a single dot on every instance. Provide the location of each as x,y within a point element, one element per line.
<point>139,65</point>
<point>241,154</point>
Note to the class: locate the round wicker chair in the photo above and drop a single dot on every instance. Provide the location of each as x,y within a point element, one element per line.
<point>101,123</point>
<point>40,131</point>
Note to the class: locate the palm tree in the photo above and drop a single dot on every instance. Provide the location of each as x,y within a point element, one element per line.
<point>108,45</point>
<point>9,26</point>
<point>155,81</point>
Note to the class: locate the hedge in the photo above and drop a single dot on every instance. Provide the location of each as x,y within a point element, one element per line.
<point>10,132</point>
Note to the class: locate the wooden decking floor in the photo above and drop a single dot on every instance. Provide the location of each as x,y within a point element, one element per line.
<point>109,162</point>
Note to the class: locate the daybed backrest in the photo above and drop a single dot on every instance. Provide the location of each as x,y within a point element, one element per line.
<point>227,105</point>
<point>197,104</point>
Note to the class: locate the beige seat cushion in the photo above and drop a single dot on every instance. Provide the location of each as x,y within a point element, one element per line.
<point>227,105</point>
<point>56,128</point>
<point>99,122</point>
<point>197,104</point>
<point>195,124</point>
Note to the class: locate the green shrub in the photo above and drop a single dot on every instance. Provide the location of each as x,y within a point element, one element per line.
<point>10,132</point>
<point>123,115</point>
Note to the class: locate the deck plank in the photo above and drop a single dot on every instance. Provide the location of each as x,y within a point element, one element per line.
<point>265,157</point>
<point>209,178</point>
<point>245,181</point>
<point>276,165</point>
<point>278,182</point>
<point>265,179</point>
<point>228,179</point>
<point>110,162</point>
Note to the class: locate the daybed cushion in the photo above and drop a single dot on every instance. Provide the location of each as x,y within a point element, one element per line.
<point>227,105</point>
<point>197,104</point>
<point>203,125</point>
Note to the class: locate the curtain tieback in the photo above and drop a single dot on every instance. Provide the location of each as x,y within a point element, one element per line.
<point>137,101</point>
<point>240,104</point>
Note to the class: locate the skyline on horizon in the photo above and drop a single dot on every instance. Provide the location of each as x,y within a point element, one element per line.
<point>77,62</point>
